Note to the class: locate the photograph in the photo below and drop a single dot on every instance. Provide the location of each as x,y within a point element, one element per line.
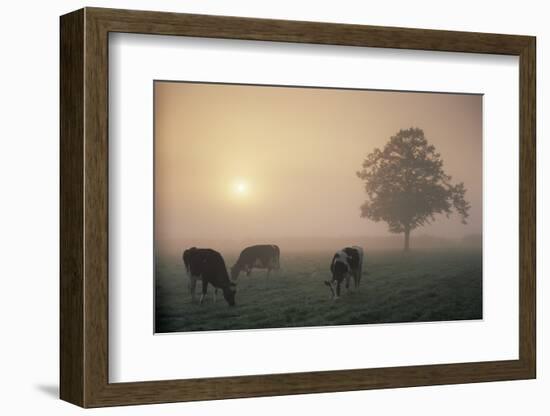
<point>305,206</point>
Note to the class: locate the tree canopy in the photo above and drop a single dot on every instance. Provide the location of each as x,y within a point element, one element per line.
<point>406,185</point>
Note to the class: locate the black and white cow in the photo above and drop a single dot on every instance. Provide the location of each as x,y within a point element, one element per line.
<point>257,257</point>
<point>345,264</point>
<point>208,266</point>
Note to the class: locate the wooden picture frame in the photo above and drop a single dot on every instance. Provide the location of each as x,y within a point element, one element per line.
<point>84,207</point>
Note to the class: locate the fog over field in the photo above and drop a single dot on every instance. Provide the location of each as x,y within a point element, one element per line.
<point>390,242</point>
<point>253,163</point>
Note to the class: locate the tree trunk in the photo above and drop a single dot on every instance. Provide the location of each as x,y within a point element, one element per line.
<point>407,238</point>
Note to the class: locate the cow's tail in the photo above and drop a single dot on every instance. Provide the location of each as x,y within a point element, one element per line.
<point>360,249</point>
<point>186,260</point>
<point>186,263</point>
<point>277,256</point>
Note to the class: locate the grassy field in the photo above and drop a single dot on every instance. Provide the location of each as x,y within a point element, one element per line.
<point>396,287</point>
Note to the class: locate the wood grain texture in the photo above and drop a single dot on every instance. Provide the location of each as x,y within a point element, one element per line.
<point>84,207</point>
<point>162,23</point>
<point>71,201</point>
<point>528,208</point>
<point>96,224</point>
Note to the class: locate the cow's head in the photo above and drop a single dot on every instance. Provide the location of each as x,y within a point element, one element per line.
<point>229,293</point>
<point>331,284</point>
<point>340,270</point>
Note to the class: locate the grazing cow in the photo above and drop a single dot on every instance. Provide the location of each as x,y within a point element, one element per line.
<point>346,263</point>
<point>257,257</point>
<point>208,266</point>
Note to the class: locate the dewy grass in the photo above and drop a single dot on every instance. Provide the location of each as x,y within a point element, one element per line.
<point>423,286</point>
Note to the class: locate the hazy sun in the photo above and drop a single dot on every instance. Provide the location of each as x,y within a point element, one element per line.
<point>240,188</point>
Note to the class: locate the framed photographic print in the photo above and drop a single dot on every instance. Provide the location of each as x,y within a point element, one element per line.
<point>255,207</point>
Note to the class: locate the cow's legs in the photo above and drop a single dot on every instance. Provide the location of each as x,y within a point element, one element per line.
<point>357,278</point>
<point>215,294</point>
<point>338,289</point>
<point>192,286</point>
<point>268,271</point>
<point>204,289</point>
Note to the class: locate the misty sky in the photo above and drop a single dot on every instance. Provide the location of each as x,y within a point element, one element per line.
<point>248,162</point>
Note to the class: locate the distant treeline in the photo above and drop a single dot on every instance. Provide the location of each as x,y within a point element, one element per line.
<point>289,244</point>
